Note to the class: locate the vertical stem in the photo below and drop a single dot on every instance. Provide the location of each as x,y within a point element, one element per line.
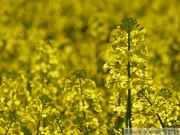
<point>82,99</point>
<point>8,128</point>
<point>39,122</point>
<point>84,113</point>
<point>119,100</point>
<point>128,114</point>
<point>119,119</point>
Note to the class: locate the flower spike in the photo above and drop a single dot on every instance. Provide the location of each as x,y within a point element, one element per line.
<point>128,24</point>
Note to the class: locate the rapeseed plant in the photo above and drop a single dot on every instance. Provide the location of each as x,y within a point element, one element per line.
<point>43,45</point>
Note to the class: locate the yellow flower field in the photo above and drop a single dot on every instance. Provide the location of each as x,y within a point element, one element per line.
<point>88,67</point>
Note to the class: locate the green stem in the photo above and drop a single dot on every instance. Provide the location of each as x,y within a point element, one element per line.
<point>60,127</point>
<point>119,100</point>
<point>159,118</point>
<point>39,122</point>
<point>119,119</point>
<point>81,95</point>
<point>129,104</point>
<point>8,128</point>
<point>83,103</point>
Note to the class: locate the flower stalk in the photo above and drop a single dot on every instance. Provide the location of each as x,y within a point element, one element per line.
<point>128,115</point>
<point>127,68</point>
<point>128,24</point>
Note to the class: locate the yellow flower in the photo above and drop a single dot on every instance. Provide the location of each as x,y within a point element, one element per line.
<point>135,36</point>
